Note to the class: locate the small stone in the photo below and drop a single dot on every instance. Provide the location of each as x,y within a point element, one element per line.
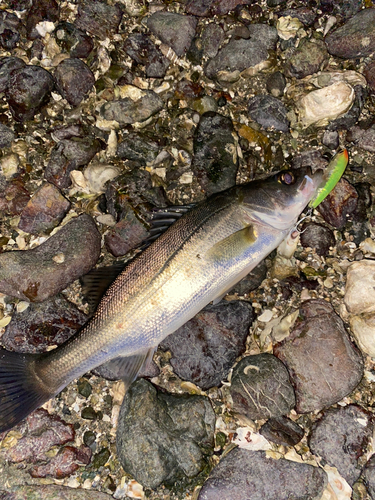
<point>88,413</point>
<point>44,211</point>
<point>41,10</point>
<point>98,18</point>
<point>175,30</point>
<point>140,48</point>
<point>84,387</point>
<point>368,476</point>
<point>282,431</point>
<point>6,136</point>
<point>269,112</point>
<point>331,139</point>
<point>341,203</point>
<point>340,438</point>
<point>308,58</point>
<point>365,139</point>
<point>68,460</point>
<point>212,37</point>
<point>7,67</point>
<point>260,387</point>
<point>73,40</point>
<point>13,197</point>
<point>101,458</point>
<point>74,80</point>
<point>252,281</point>
<point>369,73</point>
<point>89,438</point>
<point>137,148</point>
<point>317,236</point>
<point>276,83</point>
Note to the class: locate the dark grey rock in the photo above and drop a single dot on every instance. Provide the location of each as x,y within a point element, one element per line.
<point>41,10</point>
<point>161,437</point>
<point>175,30</point>
<point>212,37</point>
<point>9,26</point>
<point>343,8</point>
<point>364,139</point>
<point>252,281</point>
<point>340,205</point>
<point>260,387</point>
<point>331,139</point>
<point>309,57</point>
<point>73,40</point>
<point>282,430</point>
<point>340,438</point>
<point>350,118</point>
<point>368,477</point>
<point>74,80</point>
<point>44,271</point>
<point>206,8</point>
<point>28,89</point>
<point>269,112</point>
<point>9,39</point>
<point>313,159</point>
<point>98,18</point>
<point>369,74</point>
<point>333,368</point>
<point>317,236</point>
<point>137,148</point>
<point>244,474</point>
<point>304,14</point>
<point>276,83</point>
<point>205,348</point>
<point>356,38</point>
<point>6,136</point>
<point>140,48</point>
<point>215,162</point>
<point>126,111</point>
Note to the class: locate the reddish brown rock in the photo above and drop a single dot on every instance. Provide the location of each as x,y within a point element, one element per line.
<point>128,233</point>
<point>14,198</point>
<point>68,460</point>
<point>369,74</point>
<point>339,205</point>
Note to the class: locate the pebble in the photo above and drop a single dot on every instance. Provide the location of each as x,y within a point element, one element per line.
<point>138,148</point>
<point>276,83</point>
<point>7,67</point>
<point>303,14</point>
<point>44,211</point>
<point>215,159</point>
<point>98,18</point>
<point>175,30</point>
<point>308,58</point>
<point>74,80</point>
<point>364,139</point>
<point>341,203</point>
<point>151,422</point>
<point>41,10</point>
<point>207,8</point>
<point>368,476</point>
<point>340,438</point>
<point>269,112</point>
<point>331,139</point>
<point>283,431</point>
<point>67,461</point>
<point>212,37</point>
<point>204,349</point>
<point>9,30</point>
<point>244,474</point>
<point>33,275</point>
<point>73,40</point>
<point>320,379</point>
<point>28,89</point>
<point>260,387</point>
<point>42,325</point>
<point>143,51</point>
<point>317,236</point>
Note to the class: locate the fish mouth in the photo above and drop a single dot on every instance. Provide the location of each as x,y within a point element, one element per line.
<point>310,184</point>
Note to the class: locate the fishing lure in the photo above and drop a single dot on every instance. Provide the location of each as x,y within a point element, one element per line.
<point>331,177</point>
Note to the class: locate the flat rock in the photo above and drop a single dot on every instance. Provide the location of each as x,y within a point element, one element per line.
<point>340,438</point>
<point>356,38</point>
<point>341,203</point>
<point>175,30</point>
<point>244,474</point>
<point>98,18</point>
<point>334,366</point>
<point>269,112</point>
<point>151,422</point>
<point>44,211</point>
<point>38,274</point>
<point>74,80</point>
<point>205,348</point>
<point>260,387</point>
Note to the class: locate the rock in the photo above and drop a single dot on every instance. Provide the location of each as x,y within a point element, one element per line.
<point>269,112</point>
<point>369,73</point>
<point>215,160</point>
<point>140,48</point>
<point>45,210</point>
<point>276,83</point>
<point>9,30</point>
<point>363,329</point>
<point>137,148</point>
<point>340,438</point>
<point>317,236</point>
<point>354,39</point>
<point>42,325</point>
<point>304,14</point>
<point>364,139</point>
<point>151,422</point>
<point>368,476</point>
<point>260,387</point>
<point>6,136</point>
<point>73,40</point>
<point>343,8</point>
<point>51,492</point>
<point>331,139</point>
<point>205,348</point>
<point>28,89</point>
<point>64,464</point>
<point>212,37</point>
<point>244,474</point>
<point>321,379</point>
<point>7,67</point>
<point>339,205</point>
<point>175,30</point>
<point>252,281</point>
<point>207,8</point>
<point>283,431</point>
<point>310,158</point>
<point>13,197</point>
<point>74,80</point>
<point>308,58</point>
<point>37,274</point>
<point>41,10</point>
<point>98,18</point>
<point>137,106</point>
<point>350,118</point>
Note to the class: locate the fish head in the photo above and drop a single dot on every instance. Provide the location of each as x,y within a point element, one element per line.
<point>278,200</point>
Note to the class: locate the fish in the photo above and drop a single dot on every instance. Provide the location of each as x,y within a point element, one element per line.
<point>195,261</point>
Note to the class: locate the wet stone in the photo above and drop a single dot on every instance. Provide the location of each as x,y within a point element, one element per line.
<point>73,40</point>
<point>175,30</point>
<point>39,273</point>
<point>41,10</point>
<point>137,148</point>
<point>28,89</point>
<point>88,413</point>
<point>350,118</point>
<point>340,438</point>
<point>52,492</point>
<point>282,430</point>
<point>340,204</point>
<point>98,18</point>
<point>215,160</point>
<point>317,236</point>
<point>212,37</point>
<point>356,38</point>
<point>44,211</point>
<point>68,460</point>
<point>269,112</point>
<point>276,83</point>
<point>252,281</point>
<point>140,48</point>
<point>43,325</point>
<point>334,366</point>
<point>6,136</point>
<point>137,108</point>
<point>244,474</point>
<point>13,197</point>
<point>151,422</point>
<point>369,74</point>
<point>260,387</point>
<point>101,458</point>
<point>84,387</point>
<point>205,348</point>
<point>308,58</point>
<point>74,80</point>
<point>331,139</point>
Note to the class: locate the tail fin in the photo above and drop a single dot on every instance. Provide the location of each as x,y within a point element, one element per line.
<point>20,390</point>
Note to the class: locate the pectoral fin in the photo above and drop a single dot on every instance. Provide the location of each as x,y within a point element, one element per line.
<point>233,246</point>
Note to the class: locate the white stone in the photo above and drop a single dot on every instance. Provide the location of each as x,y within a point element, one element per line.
<point>360,287</point>
<point>363,329</point>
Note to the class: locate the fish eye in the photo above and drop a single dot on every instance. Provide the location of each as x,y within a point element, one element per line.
<point>286,177</point>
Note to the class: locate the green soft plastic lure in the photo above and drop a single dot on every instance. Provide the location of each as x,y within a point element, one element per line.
<point>331,177</point>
